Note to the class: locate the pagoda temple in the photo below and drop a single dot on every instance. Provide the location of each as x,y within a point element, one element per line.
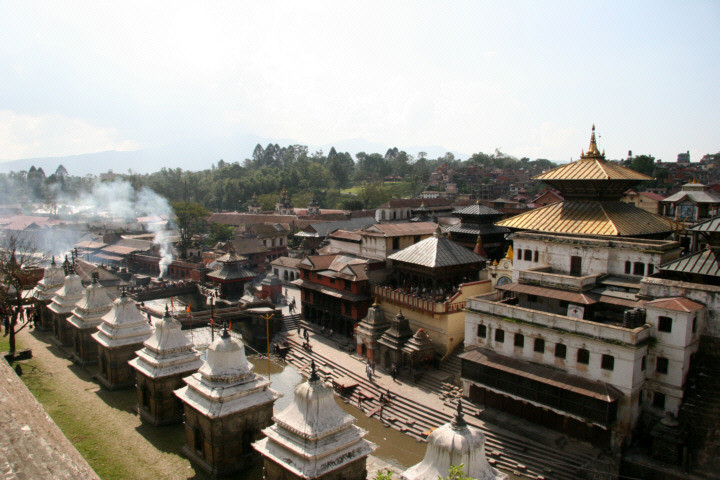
<point>232,274</point>
<point>314,439</point>
<point>455,443</point>
<point>477,224</point>
<point>418,349</point>
<point>226,407</point>
<point>122,331</point>
<point>166,357</point>
<point>254,206</point>
<point>284,205</point>
<point>63,304</point>
<point>392,341</point>
<point>44,292</point>
<point>314,206</point>
<point>85,319</point>
<point>369,330</point>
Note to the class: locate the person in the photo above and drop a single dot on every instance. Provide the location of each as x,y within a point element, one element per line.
<point>6,324</point>
<point>368,370</point>
<point>394,372</point>
<point>372,365</point>
<point>299,330</point>
<point>307,336</point>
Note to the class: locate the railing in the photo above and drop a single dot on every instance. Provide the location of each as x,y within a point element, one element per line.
<point>417,303</point>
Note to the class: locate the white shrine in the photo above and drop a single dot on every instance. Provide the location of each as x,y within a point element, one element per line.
<point>454,443</point>
<point>226,407</point>
<point>84,320</point>
<point>167,357</point>
<point>45,290</point>
<point>62,305</point>
<point>314,439</point>
<point>122,331</point>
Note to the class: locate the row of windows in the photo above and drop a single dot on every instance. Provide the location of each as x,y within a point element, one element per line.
<point>527,255</point>
<point>607,362</point>
<point>638,268</point>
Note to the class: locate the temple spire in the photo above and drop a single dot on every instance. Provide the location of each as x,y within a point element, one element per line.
<point>592,151</point>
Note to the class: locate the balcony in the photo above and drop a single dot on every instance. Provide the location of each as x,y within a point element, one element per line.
<point>415,302</point>
<point>546,277</point>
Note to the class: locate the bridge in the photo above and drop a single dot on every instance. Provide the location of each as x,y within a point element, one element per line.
<point>186,288</point>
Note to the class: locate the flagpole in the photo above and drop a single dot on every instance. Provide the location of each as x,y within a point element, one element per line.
<point>267,318</point>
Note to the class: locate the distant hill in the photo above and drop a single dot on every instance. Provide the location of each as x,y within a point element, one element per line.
<point>195,155</point>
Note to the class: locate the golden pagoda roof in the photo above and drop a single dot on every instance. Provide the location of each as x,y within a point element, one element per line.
<point>583,217</point>
<point>592,166</point>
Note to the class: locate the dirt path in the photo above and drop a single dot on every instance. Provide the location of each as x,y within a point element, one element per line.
<point>102,424</point>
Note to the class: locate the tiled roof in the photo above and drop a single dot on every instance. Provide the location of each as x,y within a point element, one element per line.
<point>325,228</point>
<point>578,217</point>
<point>346,235</point>
<point>401,229</point>
<point>705,262</point>
<point>678,304</point>
<point>416,202</point>
<point>436,251</point>
<point>286,262</point>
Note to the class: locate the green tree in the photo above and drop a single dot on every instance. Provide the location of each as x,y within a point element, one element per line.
<point>220,233</point>
<point>643,164</point>
<point>191,220</point>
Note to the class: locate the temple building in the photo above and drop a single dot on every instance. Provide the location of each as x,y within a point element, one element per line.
<point>165,359</point>
<point>477,225</point>
<point>232,274</point>
<point>567,343</point>
<point>84,320</point>
<point>391,343</point>
<point>453,444</point>
<point>694,202</point>
<point>226,407</point>
<point>284,205</point>
<point>254,206</point>
<point>314,439</point>
<point>45,290</point>
<point>369,331</point>
<point>120,334</point>
<point>313,207</point>
<point>63,304</point>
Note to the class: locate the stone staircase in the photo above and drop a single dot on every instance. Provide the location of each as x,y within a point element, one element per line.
<point>291,322</point>
<point>510,452</point>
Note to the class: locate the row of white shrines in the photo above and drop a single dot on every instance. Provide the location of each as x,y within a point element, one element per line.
<point>226,407</point>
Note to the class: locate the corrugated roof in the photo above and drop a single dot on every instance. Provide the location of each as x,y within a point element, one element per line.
<point>705,262</point>
<point>402,229</point>
<point>323,229</point>
<point>477,209</point>
<point>436,251</point>
<point>580,217</point>
<point>695,196</point>
<point>592,169</point>
<point>709,226</point>
<point>472,229</point>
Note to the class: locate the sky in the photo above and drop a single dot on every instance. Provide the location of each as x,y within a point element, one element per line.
<point>529,78</point>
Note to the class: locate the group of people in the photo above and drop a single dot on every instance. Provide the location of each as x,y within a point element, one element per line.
<point>31,316</point>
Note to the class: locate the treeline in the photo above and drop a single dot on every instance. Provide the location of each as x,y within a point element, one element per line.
<point>336,179</point>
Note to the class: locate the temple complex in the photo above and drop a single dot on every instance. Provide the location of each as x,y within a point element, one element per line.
<point>453,444</point>
<point>122,331</point>
<point>314,439</point>
<point>165,359</point>
<point>84,320</point>
<point>226,407</point>
<point>62,306</point>
<point>44,292</point>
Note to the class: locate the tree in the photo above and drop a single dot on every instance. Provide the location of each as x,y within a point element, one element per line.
<point>191,219</point>
<point>643,164</point>
<point>220,233</point>
<point>18,259</point>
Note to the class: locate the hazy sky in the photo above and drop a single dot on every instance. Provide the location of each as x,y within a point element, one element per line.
<point>529,77</point>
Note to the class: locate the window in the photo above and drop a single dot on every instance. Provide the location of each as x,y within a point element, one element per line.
<point>481,331</point>
<point>650,269</point>
<point>563,305</point>
<point>643,363</point>
<point>332,281</point>
<point>499,335</point>
<point>694,325</point>
<point>519,340</point>
<point>665,324</point>
<point>528,255</point>
<point>560,350</point>
<point>575,265</point>
<point>539,345</point>
<point>639,268</point>
<point>396,243</point>
<point>628,267</point>
<point>519,253</point>
<point>659,400</point>
<point>416,238</point>
<point>607,362</point>
<point>661,365</point>
<point>535,256</point>
<point>583,356</point>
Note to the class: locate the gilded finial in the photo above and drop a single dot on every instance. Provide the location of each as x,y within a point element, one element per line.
<point>593,151</point>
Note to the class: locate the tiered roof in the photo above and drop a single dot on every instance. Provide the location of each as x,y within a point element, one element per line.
<point>225,383</point>
<point>398,334</point>
<point>374,323</point>
<point>313,436</point>
<point>167,352</point>
<point>122,325</point>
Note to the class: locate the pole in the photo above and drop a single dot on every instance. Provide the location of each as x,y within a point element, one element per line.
<point>212,319</point>
<point>267,318</point>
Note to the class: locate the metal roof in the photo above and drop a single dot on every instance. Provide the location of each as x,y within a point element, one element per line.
<point>323,229</point>
<point>582,217</point>
<point>705,262</point>
<point>436,251</point>
<point>477,209</point>
<point>592,169</point>
<point>708,226</point>
<point>694,195</point>
<point>473,229</point>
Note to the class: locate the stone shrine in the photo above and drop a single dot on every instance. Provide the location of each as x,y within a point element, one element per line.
<point>454,443</point>
<point>226,407</point>
<point>122,331</point>
<point>369,331</point>
<point>84,321</point>
<point>44,292</point>
<point>392,341</point>
<point>314,439</point>
<point>63,304</point>
<point>167,357</point>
